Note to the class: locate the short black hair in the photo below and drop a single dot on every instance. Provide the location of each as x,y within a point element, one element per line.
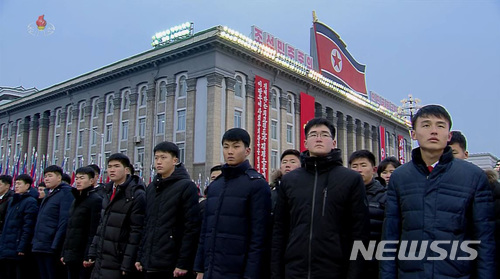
<point>168,147</point>
<point>120,157</point>
<point>95,167</point>
<point>386,162</point>
<point>293,152</point>
<point>66,178</point>
<point>319,121</point>
<point>237,134</point>
<point>54,169</point>
<point>25,178</point>
<point>7,179</point>
<point>216,168</point>
<point>458,137</point>
<point>431,110</point>
<point>362,154</point>
<point>41,184</point>
<point>86,170</point>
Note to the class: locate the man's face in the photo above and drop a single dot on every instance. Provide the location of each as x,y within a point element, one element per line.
<point>214,175</point>
<point>386,174</point>
<point>52,180</point>
<point>319,141</point>
<point>83,181</point>
<point>235,152</point>
<point>117,172</point>
<point>21,187</point>
<point>431,132</point>
<point>41,192</point>
<point>165,163</point>
<point>4,187</point>
<point>458,152</point>
<point>289,163</point>
<point>365,168</point>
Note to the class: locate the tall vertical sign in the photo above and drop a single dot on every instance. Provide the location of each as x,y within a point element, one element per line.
<point>381,131</point>
<point>401,149</point>
<point>306,114</point>
<point>261,125</point>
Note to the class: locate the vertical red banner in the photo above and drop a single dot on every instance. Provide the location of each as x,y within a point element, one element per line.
<point>261,121</point>
<point>306,114</point>
<point>381,132</point>
<point>401,149</point>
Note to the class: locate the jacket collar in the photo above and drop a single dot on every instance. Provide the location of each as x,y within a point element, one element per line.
<point>235,171</point>
<point>445,159</point>
<point>323,163</point>
<point>179,173</point>
<point>84,193</point>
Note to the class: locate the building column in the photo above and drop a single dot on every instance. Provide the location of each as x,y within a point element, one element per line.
<point>375,143</point>
<point>5,144</point>
<point>214,129</point>
<point>87,132</point>
<point>43,139</point>
<point>133,128</point>
<point>170,111</point>
<point>190,115</point>
<point>342,135</point>
<point>117,105</point>
<point>101,128</point>
<point>360,141</point>
<point>51,137</point>
<point>250,109</point>
<point>74,152</point>
<point>32,140</point>
<point>367,137</point>
<point>230,82</point>
<point>351,136</point>
<point>62,138</point>
<point>149,140</point>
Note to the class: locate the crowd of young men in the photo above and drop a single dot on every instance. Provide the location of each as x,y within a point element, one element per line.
<point>304,226</point>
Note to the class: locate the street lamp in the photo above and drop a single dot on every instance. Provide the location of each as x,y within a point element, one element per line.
<point>409,107</point>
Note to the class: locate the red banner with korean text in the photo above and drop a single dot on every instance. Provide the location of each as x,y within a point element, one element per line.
<point>401,149</point>
<point>381,131</point>
<point>261,125</point>
<point>306,114</point>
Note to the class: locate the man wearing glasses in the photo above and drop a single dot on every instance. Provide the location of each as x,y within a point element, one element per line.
<point>321,210</point>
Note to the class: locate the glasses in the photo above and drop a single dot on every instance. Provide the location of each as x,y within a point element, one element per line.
<point>314,135</point>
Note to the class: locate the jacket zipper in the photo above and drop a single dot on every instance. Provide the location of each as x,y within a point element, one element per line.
<point>312,220</point>
<point>325,195</point>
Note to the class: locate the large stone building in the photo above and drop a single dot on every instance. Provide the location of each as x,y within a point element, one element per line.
<point>188,92</point>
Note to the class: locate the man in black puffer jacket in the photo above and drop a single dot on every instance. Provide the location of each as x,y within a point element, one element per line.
<point>172,225</point>
<point>84,216</point>
<point>320,212</point>
<point>363,161</point>
<point>116,243</point>
<point>237,215</point>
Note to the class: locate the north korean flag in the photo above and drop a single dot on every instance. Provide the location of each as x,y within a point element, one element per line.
<point>335,62</point>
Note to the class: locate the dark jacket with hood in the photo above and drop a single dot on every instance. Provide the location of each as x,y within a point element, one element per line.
<point>50,228</point>
<point>4,201</point>
<point>116,242</point>
<point>172,225</point>
<point>321,210</point>
<point>84,217</point>
<point>451,203</point>
<point>235,225</point>
<point>19,226</point>
<point>376,195</point>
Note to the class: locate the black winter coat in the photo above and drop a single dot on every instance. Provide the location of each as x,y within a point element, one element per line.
<point>321,210</point>
<point>4,202</point>
<point>84,216</point>
<point>172,224</point>
<point>451,203</point>
<point>235,225</point>
<point>376,195</point>
<point>116,242</point>
<point>496,197</point>
<point>19,226</point>
<point>52,220</point>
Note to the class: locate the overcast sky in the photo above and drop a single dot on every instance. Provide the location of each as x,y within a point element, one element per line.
<point>442,52</point>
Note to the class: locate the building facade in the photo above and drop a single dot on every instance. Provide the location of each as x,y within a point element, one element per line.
<point>189,92</point>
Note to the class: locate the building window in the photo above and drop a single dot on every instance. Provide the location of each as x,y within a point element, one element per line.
<point>274,101</point>
<point>79,164</point>
<point>142,127</point>
<point>109,132</point>
<point>95,110</point>
<point>69,117</point>
<point>142,96</point>
<point>93,137</point>
<point>237,119</point>
<point>181,120</point>
<point>109,105</point>
<point>58,117</point>
<point>160,124</point>
<point>182,87</point>
<point>289,133</point>
<point>182,152</point>
<point>274,129</point>
<point>93,160</point>
<point>289,104</point>
<point>274,159</point>
<point>124,152</point>
<point>68,140</point>
<point>163,92</point>
<point>238,87</point>
<point>124,130</point>
<point>80,138</point>
<point>126,101</point>
<point>140,156</point>
<point>81,116</point>
<point>56,143</point>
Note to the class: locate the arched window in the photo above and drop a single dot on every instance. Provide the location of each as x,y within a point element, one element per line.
<point>274,99</point>
<point>238,87</point>
<point>125,100</point>
<point>182,87</point>
<point>81,112</point>
<point>69,116</point>
<point>289,104</point>
<point>109,105</point>
<point>163,92</point>
<point>142,96</point>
